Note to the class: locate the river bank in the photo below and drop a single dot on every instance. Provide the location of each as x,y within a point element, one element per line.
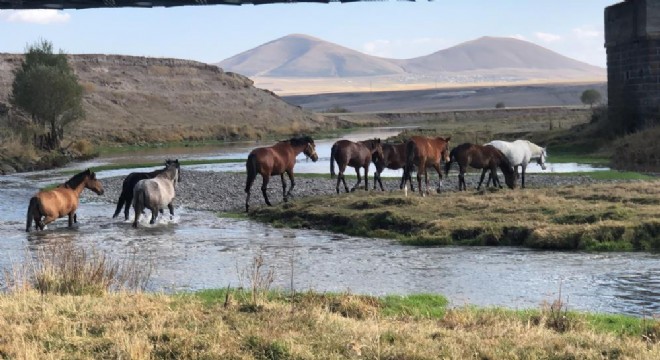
<point>555,212</point>
<point>215,324</point>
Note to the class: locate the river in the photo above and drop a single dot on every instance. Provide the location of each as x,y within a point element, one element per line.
<point>198,250</point>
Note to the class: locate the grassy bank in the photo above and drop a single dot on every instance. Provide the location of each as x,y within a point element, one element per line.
<point>211,325</point>
<point>599,217</point>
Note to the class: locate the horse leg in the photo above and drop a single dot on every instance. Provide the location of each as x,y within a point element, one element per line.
<point>481,180</point>
<point>47,220</point>
<point>496,178</point>
<point>264,187</point>
<point>524,167</point>
<point>171,207</point>
<point>437,168</point>
<point>419,180</point>
<point>359,179</point>
<point>366,178</point>
<point>283,187</point>
<point>461,178</point>
<point>292,180</point>
<point>154,215</point>
<point>71,216</point>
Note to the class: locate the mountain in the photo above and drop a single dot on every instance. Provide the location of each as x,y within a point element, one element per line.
<point>495,53</point>
<point>490,58</point>
<point>305,56</point>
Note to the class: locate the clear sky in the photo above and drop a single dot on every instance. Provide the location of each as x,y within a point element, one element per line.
<point>394,29</point>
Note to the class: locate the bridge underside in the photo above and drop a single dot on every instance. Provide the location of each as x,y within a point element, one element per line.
<point>88,4</point>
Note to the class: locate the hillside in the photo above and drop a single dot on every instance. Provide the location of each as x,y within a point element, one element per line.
<point>136,99</point>
<point>300,64</point>
<point>305,56</point>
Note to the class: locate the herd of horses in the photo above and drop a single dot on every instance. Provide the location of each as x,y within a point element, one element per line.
<point>156,190</point>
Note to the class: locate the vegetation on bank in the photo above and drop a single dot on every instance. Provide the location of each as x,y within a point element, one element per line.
<point>68,305</point>
<point>597,217</point>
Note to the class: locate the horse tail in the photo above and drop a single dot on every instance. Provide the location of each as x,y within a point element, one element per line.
<point>332,161</point>
<point>251,168</point>
<point>32,208</point>
<point>410,157</point>
<point>120,204</point>
<point>452,158</point>
<point>138,199</point>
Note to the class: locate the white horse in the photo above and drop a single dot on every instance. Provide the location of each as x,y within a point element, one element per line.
<point>157,193</point>
<point>520,153</point>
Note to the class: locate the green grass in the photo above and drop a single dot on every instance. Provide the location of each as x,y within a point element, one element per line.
<point>416,306</point>
<point>608,175</point>
<point>580,158</point>
<point>232,215</point>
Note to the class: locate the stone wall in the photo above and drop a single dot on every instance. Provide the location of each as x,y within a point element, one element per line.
<point>632,39</point>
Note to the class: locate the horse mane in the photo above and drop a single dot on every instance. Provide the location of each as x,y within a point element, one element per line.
<point>77,179</point>
<point>535,148</point>
<point>301,140</point>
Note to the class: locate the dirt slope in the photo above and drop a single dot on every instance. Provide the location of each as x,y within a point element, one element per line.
<point>137,99</point>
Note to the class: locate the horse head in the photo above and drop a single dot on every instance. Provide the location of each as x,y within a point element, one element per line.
<point>541,159</point>
<point>376,150</point>
<point>444,153</point>
<point>92,183</point>
<point>310,151</point>
<point>175,163</point>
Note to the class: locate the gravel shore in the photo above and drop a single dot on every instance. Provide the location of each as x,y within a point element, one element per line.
<point>224,191</point>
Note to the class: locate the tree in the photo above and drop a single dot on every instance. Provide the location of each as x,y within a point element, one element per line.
<point>46,88</point>
<point>590,97</point>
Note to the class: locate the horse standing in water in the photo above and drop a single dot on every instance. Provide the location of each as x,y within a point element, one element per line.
<point>480,157</point>
<point>422,152</point>
<point>354,154</point>
<point>126,197</point>
<point>394,158</point>
<point>157,193</point>
<point>520,153</point>
<point>277,160</point>
<point>61,201</point>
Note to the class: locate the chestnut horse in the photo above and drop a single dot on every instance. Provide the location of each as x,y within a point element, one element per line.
<point>63,200</point>
<point>126,197</point>
<point>485,157</point>
<point>354,154</point>
<point>394,158</point>
<point>422,152</point>
<point>277,160</point>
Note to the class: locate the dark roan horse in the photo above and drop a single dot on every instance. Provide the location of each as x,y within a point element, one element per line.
<point>423,152</point>
<point>394,158</point>
<point>278,159</point>
<point>61,201</point>
<point>126,197</point>
<point>357,155</point>
<point>481,157</point>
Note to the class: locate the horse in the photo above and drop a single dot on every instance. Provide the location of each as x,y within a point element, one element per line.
<point>480,157</point>
<point>520,153</point>
<point>422,152</point>
<point>394,157</point>
<point>277,160</point>
<point>156,193</point>
<point>61,201</point>
<point>354,154</point>
<point>126,197</point>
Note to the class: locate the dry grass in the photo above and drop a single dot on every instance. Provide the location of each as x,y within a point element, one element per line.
<point>639,151</point>
<point>608,216</point>
<point>144,326</point>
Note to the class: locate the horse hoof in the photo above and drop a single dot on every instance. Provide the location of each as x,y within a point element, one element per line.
<point>286,200</point>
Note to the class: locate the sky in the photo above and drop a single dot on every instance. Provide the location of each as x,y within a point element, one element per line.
<point>392,29</point>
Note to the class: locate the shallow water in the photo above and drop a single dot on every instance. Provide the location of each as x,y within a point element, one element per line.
<point>198,250</point>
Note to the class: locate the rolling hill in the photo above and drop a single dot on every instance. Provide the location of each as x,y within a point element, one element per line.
<point>304,64</point>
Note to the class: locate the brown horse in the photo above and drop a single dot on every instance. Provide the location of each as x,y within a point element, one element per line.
<point>394,158</point>
<point>422,152</point>
<point>481,157</point>
<point>277,160</point>
<point>61,201</point>
<point>354,154</point>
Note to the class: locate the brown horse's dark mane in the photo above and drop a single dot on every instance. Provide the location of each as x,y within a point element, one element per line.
<point>77,179</point>
<point>300,140</point>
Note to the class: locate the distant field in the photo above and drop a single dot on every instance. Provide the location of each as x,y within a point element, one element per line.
<point>447,98</point>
